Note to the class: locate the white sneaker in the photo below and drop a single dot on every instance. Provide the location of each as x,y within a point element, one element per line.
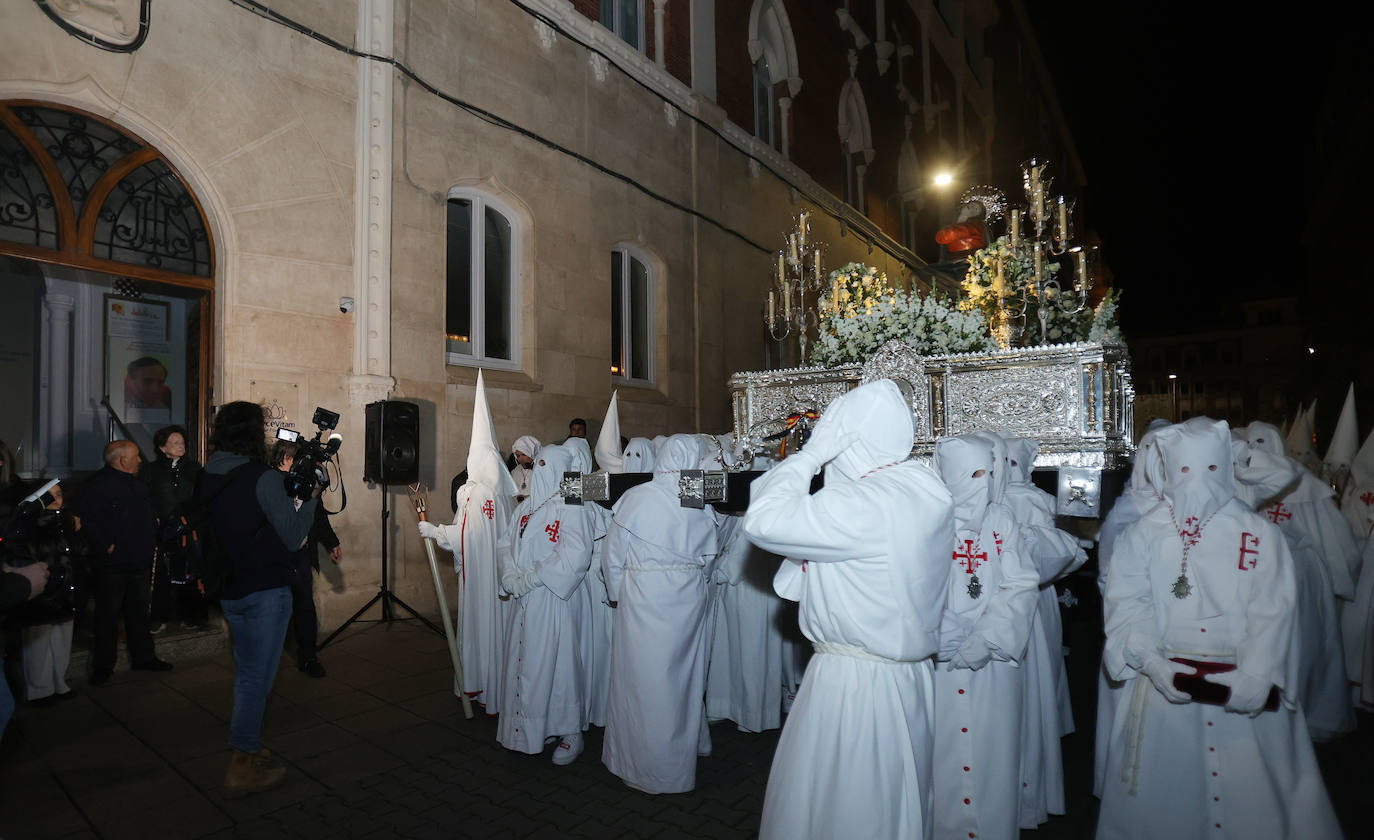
<point>568,749</point>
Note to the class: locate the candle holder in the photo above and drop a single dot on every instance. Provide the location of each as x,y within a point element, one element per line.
<point>796,287</point>
<point>1046,237</point>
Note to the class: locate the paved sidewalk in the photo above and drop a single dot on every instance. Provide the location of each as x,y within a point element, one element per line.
<point>379,749</point>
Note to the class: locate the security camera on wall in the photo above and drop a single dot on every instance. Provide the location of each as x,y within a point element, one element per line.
<point>346,304</point>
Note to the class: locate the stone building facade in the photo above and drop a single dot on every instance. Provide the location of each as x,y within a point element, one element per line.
<point>396,194</point>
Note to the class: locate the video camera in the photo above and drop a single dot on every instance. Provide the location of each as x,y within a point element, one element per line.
<point>308,468</point>
<point>35,534</point>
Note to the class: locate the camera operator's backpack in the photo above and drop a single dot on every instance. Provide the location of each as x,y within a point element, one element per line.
<point>207,557</point>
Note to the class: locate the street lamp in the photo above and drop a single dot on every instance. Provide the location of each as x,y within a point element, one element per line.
<point>944,179</point>
<point>1173,393</point>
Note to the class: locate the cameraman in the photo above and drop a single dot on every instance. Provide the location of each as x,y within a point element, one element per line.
<point>303,619</point>
<point>260,529</point>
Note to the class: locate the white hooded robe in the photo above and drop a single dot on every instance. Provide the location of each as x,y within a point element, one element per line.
<point>854,758</point>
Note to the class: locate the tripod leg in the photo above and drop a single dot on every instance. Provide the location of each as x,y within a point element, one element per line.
<point>408,608</point>
<point>353,618</point>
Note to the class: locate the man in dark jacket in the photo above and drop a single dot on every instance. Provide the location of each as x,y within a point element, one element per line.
<point>262,529</point>
<point>117,518</point>
<point>304,622</point>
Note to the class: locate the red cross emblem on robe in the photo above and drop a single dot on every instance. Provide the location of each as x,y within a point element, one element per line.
<point>1278,513</point>
<point>968,559</point>
<point>524,520</point>
<point>1191,531</point>
<point>552,530</point>
<point>489,509</point>
<point>1249,545</point>
<point>1367,497</point>
<point>997,540</point>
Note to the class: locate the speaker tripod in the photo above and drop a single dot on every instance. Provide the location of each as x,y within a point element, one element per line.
<point>384,594</point>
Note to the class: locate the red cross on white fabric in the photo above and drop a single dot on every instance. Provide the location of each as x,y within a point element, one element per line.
<point>1278,513</point>
<point>997,540</point>
<point>524,520</point>
<point>1367,497</point>
<point>968,557</point>
<point>489,509</point>
<point>1252,541</point>
<point>1191,531</point>
<point>552,530</point>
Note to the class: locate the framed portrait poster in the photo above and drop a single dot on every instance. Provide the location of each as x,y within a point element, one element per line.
<point>143,369</point>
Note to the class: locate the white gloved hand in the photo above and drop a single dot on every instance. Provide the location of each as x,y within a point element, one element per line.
<point>973,654</point>
<point>825,443</point>
<point>1161,672</point>
<point>1248,692</point>
<point>520,582</point>
<point>429,531</point>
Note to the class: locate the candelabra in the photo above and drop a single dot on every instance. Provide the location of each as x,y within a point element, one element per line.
<point>794,292</point>
<point>1049,238</point>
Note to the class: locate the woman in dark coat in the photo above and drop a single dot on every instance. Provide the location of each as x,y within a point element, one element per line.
<point>172,481</point>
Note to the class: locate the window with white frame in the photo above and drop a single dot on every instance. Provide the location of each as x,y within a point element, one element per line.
<point>632,314</point>
<point>626,19</point>
<point>483,282</point>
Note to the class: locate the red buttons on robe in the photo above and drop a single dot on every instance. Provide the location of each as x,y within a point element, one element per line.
<point>963,729</point>
<point>1209,723</point>
<point>965,769</point>
<point>1216,798</point>
<point>1202,630</point>
<point>1211,749</point>
<point>961,691</point>
<point>1214,772</point>
<point>967,801</point>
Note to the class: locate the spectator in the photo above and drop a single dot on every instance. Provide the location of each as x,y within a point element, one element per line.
<point>260,528</point>
<point>171,481</point>
<point>303,620</point>
<point>16,584</point>
<point>577,428</point>
<point>116,515</point>
<point>47,624</point>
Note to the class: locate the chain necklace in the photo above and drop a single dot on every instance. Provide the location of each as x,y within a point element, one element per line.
<point>1182,588</point>
<point>525,520</point>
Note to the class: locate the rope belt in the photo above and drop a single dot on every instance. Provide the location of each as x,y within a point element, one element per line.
<point>855,652</point>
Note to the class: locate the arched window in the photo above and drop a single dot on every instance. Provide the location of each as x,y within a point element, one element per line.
<point>856,142</point>
<point>632,316</point>
<point>483,282</point>
<point>776,75</point>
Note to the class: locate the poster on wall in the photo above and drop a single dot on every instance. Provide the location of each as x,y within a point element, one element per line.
<point>143,369</point>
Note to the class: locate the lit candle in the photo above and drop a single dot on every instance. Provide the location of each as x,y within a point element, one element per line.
<point>782,268</point>
<point>818,264</point>
<point>770,308</point>
<point>1015,229</point>
<point>1063,219</point>
<point>801,228</point>
<point>787,302</point>
<point>792,243</point>
<point>1082,270</point>
<point>1034,177</point>
<point>1037,266</point>
<point>1001,278</point>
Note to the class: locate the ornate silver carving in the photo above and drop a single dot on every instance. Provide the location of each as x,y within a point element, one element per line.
<point>691,489</point>
<point>596,487</point>
<point>1080,492</point>
<point>1074,399</point>
<point>571,488</point>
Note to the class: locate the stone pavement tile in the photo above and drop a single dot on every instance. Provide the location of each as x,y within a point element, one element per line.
<point>405,687</point>
<point>348,764</point>
<point>379,721</point>
<point>187,739</point>
<point>284,716</point>
<point>438,705</point>
<point>33,804</point>
<point>295,685</point>
<point>311,741</point>
<point>416,742</point>
<point>168,808</point>
<point>345,704</point>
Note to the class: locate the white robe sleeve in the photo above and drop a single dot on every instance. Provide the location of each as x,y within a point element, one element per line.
<point>784,518</point>
<point>613,559</point>
<point>1006,622</point>
<point>1128,603</point>
<point>566,561</point>
<point>1270,613</point>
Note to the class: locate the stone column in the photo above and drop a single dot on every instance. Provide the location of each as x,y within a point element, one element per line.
<point>372,234</point>
<point>784,128</point>
<point>658,31</point>
<point>57,312</point>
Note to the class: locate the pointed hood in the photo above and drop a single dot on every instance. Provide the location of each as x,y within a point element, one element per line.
<point>1020,459</point>
<point>580,453</point>
<point>876,421</point>
<point>1300,440</point>
<point>1199,472</point>
<point>547,478</point>
<point>1362,466</point>
<point>1264,437</point>
<point>609,455</point>
<point>484,454</point>
<point>1262,476</point>
<point>1346,439</point>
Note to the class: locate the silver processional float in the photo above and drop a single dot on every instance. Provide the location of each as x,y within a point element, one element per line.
<point>1021,353</point>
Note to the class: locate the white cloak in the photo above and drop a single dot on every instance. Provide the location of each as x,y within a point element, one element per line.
<point>545,692</point>
<point>978,713</point>
<point>1193,770</point>
<point>748,647</point>
<point>597,648</point>
<point>657,560</point>
<point>854,758</point>
<point>483,615</point>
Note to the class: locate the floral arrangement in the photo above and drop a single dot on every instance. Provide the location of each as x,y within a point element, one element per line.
<point>861,312</point>
<point>998,280</point>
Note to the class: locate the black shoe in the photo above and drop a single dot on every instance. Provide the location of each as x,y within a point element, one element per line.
<point>50,700</point>
<point>312,667</point>
<point>99,678</point>
<point>151,665</point>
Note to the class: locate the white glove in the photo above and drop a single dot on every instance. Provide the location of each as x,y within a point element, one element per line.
<point>825,443</point>
<point>973,654</point>
<point>429,531</point>
<point>1248,692</point>
<point>1161,672</point>
<point>520,582</point>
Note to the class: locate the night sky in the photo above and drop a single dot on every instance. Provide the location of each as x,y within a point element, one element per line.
<point>1205,132</point>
